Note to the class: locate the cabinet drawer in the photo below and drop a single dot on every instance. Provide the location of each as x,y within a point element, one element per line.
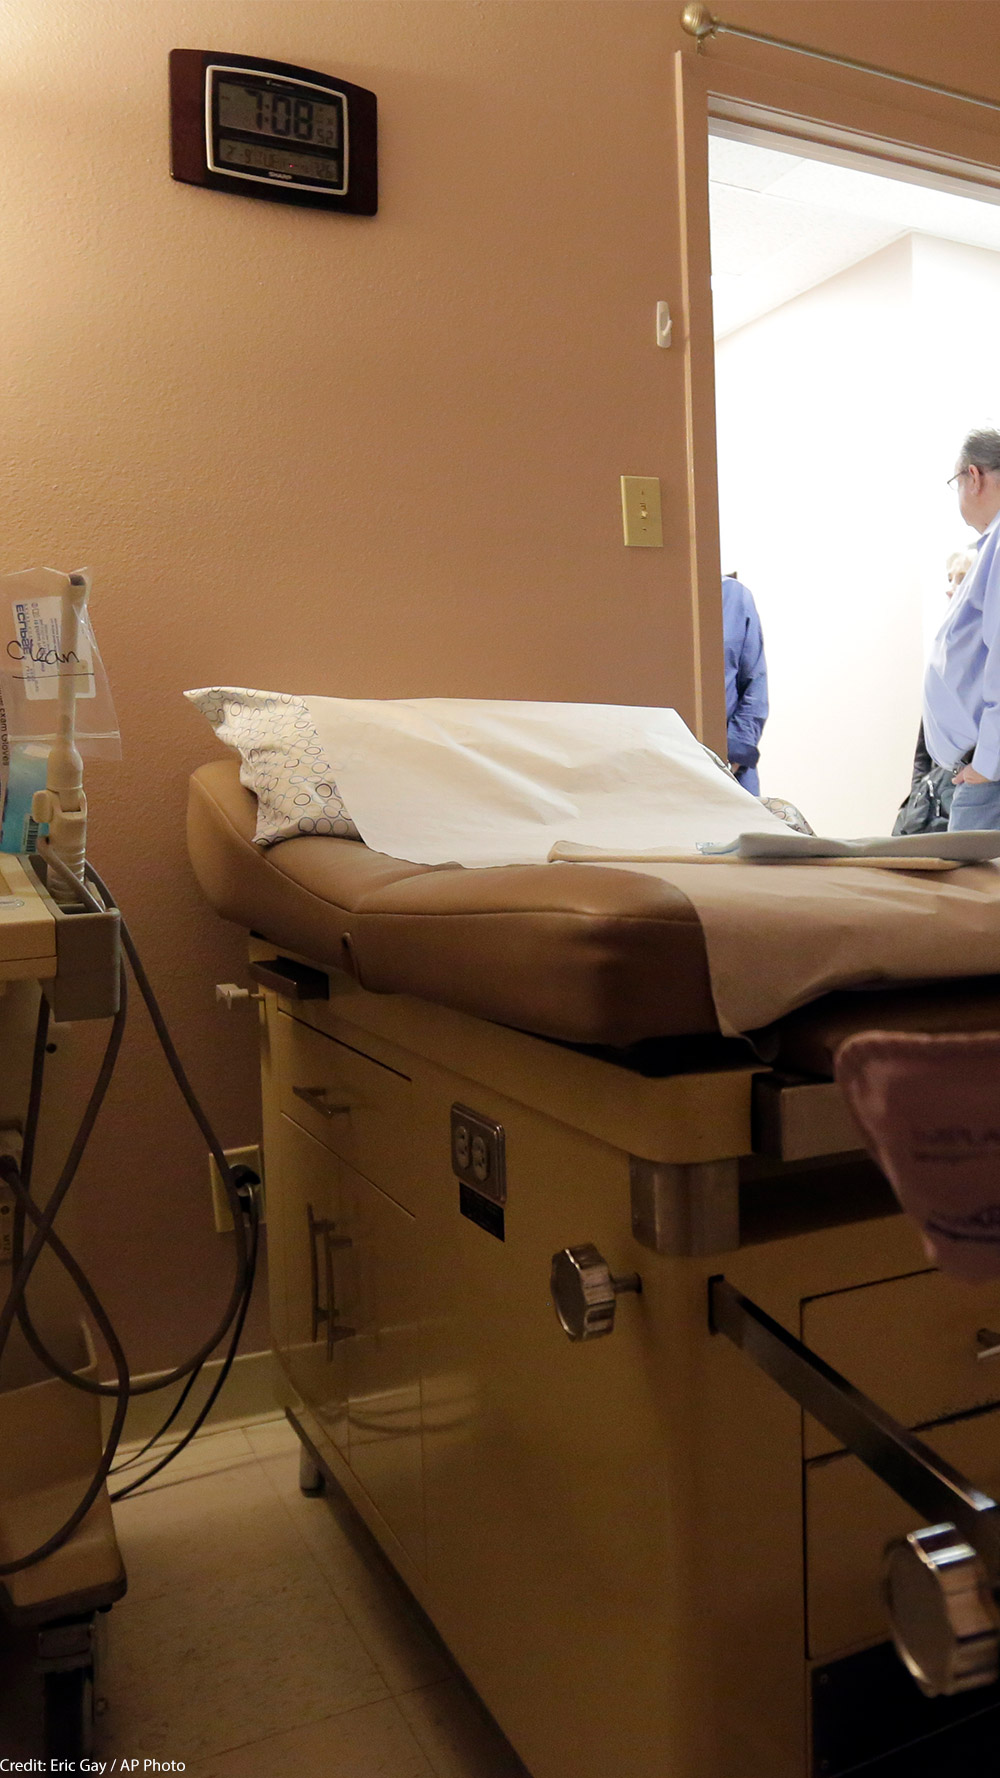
<point>910,1344</point>
<point>851,1516</point>
<point>353,1104</point>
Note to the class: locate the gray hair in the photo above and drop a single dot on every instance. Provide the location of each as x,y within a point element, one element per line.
<point>981,449</point>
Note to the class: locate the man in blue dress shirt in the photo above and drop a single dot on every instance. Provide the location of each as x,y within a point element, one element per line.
<point>962,684</point>
<point>746,681</point>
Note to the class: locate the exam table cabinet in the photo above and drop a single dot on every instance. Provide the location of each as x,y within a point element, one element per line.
<point>639,1549</point>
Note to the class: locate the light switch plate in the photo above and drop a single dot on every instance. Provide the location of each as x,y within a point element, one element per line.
<point>641,520</point>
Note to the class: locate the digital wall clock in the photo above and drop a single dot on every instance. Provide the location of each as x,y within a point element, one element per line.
<point>270,130</point>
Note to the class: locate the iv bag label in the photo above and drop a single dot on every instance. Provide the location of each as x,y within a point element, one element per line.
<point>36,655</point>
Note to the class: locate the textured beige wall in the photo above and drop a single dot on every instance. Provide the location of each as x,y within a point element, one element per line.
<point>370,456</point>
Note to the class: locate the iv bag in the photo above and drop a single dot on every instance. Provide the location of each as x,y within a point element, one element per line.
<point>32,662</point>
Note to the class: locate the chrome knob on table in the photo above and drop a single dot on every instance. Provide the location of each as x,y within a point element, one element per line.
<point>584,1291</point>
<point>944,1618</point>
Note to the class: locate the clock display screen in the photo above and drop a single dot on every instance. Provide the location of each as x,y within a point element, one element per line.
<point>260,156</point>
<point>291,115</point>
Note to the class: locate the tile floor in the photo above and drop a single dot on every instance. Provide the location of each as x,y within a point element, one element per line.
<point>262,1636</point>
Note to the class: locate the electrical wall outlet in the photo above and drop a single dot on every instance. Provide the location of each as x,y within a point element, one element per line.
<point>237,1157</point>
<point>10,1143</point>
<point>6,1223</point>
<point>478,1153</point>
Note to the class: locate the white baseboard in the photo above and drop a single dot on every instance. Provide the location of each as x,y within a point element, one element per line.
<point>254,1390</point>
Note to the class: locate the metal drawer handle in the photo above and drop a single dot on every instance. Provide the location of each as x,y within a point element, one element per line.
<point>316,1098</point>
<point>324,1230</point>
<point>988,1343</point>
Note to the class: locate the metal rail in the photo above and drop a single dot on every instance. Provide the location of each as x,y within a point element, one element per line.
<point>698,22</point>
<point>909,1467</point>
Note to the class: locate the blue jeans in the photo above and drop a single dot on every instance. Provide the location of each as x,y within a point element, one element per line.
<point>975,805</point>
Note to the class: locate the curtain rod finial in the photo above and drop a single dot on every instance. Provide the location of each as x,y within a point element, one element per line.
<point>698,21</point>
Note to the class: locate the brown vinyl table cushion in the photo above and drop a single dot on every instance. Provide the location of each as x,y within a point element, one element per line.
<point>584,953</point>
<point>573,951</point>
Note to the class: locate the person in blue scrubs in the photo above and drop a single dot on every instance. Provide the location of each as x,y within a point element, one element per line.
<point>962,683</point>
<point>746,681</point>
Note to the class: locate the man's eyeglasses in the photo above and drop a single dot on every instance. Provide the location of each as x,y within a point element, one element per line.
<point>952,479</point>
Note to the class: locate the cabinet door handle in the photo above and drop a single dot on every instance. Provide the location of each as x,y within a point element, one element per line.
<point>320,1229</point>
<point>316,1098</point>
<point>988,1343</point>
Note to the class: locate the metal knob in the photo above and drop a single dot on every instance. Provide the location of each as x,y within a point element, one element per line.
<point>698,21</point>
<point>583,1292</point>
<point>945,1622</point>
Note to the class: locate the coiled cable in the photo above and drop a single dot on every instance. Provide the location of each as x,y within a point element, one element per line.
<point>24,1259</point>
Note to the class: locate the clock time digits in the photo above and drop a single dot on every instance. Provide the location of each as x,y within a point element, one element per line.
<point>289,116</point>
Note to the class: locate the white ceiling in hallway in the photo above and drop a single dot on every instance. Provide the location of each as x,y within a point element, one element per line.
<point>782,224</point>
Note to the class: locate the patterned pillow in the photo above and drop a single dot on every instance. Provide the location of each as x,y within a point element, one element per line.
<point>282,762</point>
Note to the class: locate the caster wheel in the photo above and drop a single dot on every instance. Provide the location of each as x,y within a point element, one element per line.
<point>311,1478</point>
<point>68,1700</point>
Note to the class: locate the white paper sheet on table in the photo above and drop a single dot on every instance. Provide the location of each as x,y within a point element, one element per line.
<point>443,780</point>
<point>972,846</point>
<point>917,851</point>
<point>480,782</point>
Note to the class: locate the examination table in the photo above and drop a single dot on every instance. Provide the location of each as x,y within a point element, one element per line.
<point>650,1561</point>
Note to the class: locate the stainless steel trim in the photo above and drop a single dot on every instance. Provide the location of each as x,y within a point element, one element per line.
<point>935,1491</point>
<point>794,1119</point>
<point>685,1209</point>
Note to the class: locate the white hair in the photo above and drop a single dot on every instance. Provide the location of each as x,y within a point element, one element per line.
<point>982,450</point>
<point>960,559</point>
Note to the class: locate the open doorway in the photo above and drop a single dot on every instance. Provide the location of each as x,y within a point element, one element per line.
<point>854,351</point>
